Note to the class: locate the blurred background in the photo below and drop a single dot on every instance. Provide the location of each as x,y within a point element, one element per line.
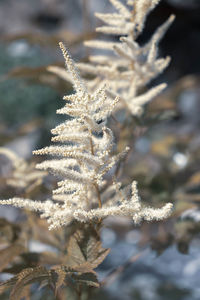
<point>160,260</point>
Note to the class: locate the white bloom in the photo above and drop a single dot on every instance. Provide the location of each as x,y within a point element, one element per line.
<point>84,157</point>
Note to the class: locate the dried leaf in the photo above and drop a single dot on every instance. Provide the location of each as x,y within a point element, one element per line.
<point>26,277</point>
<point>89,279</point>
<point>7,284</point>
<point>61,275</point>
<point>33,259</point>
<point>41,233</point>
<point>9,231</point>
<point>42,258</point>
<point>85,251</point>
<point>9,253</point>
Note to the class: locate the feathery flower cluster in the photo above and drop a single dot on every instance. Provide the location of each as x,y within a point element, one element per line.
<point>24,175</point>
<point>83,159</point>
<point>133,66</point>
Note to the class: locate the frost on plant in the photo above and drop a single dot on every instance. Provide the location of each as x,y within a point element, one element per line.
<point>83,152</point>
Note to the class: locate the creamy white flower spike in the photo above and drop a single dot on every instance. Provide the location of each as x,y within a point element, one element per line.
<point>83,158</point>
<point>129,67</point>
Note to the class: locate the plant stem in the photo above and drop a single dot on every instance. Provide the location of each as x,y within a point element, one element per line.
<point>95,185</point>
<point>98,196</point>
<point>117,271</point>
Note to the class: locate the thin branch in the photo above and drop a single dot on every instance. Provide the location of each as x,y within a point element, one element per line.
<point>111,277</point>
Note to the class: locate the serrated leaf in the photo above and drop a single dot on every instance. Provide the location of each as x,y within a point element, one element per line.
<point>85,251</point>
<point>61,275</point>
<point>60,280</point>
<point>90,279</point>
<point>16,268</point>
<point>58,277</point>
<point>26,277</point>
<point>8,284</point>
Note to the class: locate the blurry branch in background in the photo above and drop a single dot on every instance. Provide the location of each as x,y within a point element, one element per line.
<point>24,175</point>
<point>39,75</point>
<point>128,67</point>
<point>119,270</point>
<point>86,15</point>
<point>86,21</point>
<point>45,40</point>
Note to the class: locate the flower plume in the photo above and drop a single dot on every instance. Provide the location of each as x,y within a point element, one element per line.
<point>81,157</point>
<point>130,66</point>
